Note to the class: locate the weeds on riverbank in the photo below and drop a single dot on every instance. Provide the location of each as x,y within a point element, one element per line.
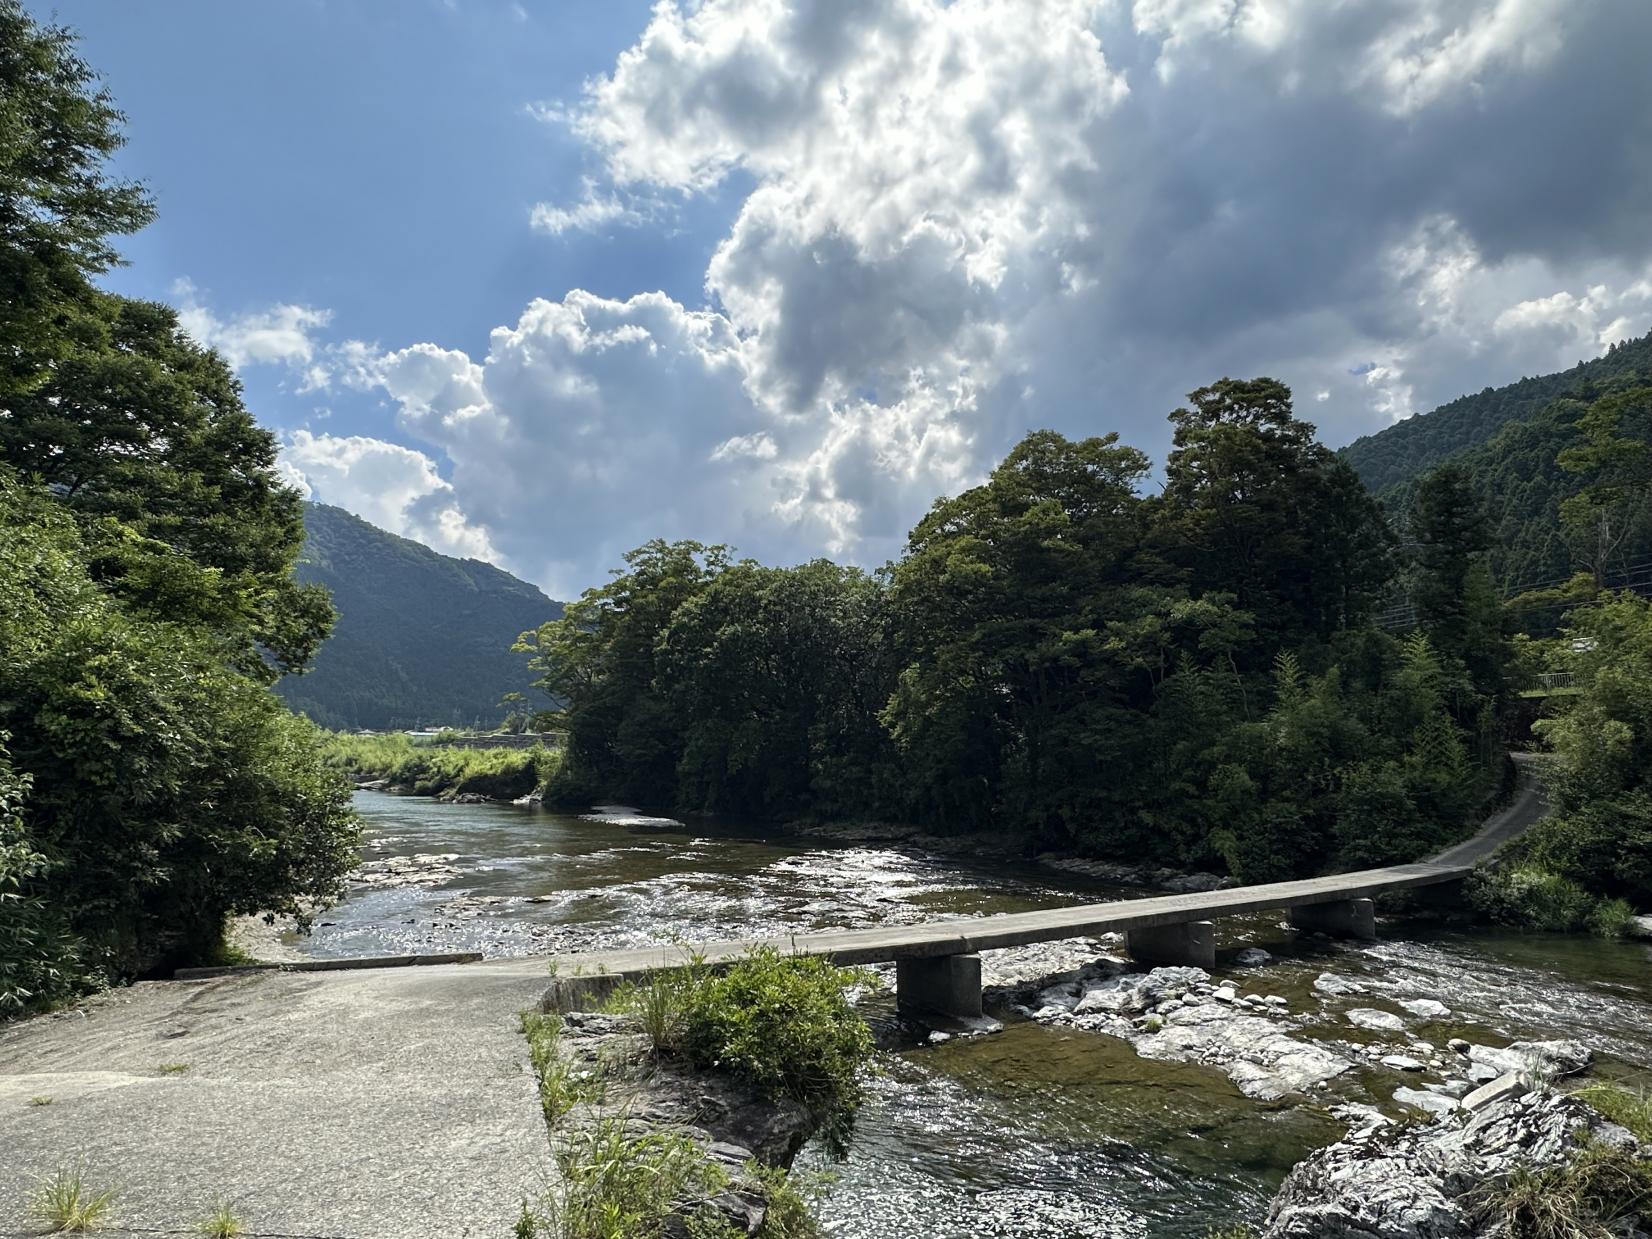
<point>619,1185</point>
<point>781,1023</point>
<point>65,1204</point>
<point>1591,1195</point>
<point>1529,896</point>
<point>431,770</point>
<point>1586,1198</point>
<point>1630,1109</point>
<point>559,1090</point>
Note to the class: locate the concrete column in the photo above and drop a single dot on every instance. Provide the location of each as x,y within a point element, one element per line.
<point>1191,943</point>
<point>944,985</point>
<point>1346,918</point>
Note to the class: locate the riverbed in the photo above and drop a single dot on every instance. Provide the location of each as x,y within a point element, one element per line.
<point>1042,1129</point>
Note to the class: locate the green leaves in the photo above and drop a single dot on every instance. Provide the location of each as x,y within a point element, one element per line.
<point>166,789</point>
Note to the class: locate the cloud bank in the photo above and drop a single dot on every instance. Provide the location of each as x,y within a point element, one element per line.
<point>964,220</point>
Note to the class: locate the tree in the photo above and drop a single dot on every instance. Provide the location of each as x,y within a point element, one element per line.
<point>1015,685</point>
<point>1614,503</point>
<point>103,399</point>
<point>1457,605</point>
<point>1255,508</point>
<point>780,673</point>
<point>165,790</point>
<point>599,662</point>
<point>58,204</point>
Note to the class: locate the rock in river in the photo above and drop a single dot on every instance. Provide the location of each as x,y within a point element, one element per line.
<point>1138,991</point>
<point>1418,1182</point>
<point>1535,1058</point>
<point>1257,1054</point>
<point>1375,1020</point>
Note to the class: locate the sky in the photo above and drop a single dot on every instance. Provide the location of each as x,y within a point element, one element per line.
<point>538,282</point>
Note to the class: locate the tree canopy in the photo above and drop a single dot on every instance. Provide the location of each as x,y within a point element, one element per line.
<point>1188,678</point>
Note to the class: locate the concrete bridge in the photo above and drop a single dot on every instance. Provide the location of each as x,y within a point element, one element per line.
<point>938,964</point>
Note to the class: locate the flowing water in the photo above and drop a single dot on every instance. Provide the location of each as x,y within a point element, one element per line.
<point>1038,1130</point>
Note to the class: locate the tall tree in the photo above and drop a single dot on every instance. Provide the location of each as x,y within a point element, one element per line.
<point>1615,463</point>
<point>103,398</point>
<point>1256,508</point>
<point>1457,604</point>
<point>59,206</point>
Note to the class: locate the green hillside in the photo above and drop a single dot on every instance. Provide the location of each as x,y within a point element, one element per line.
<point>1408,449</point>
<point>421,638</point>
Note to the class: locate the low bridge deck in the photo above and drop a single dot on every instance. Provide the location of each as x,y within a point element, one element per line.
<point>938,966</point>
<point>986,933</point>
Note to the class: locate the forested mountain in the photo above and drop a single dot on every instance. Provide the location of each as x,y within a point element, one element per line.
<point>421,638</point>
<point>1407,449</point>
<point>1513,444</point>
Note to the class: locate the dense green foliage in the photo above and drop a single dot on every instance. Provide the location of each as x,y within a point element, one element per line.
<point>1410,448</point>
<point>1585,865</point>
<point>150,784</point>
<point>1188,678</point>
<point>440,769</point>
<point>782,1023</point>
<point>166,789</point>
<point>421,638</point>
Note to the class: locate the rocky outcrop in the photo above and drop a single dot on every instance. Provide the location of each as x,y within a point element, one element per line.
<point>424,869</point>
<point>734,1122</point>
<point>1395,1181</point>
<point>1181,1015</point>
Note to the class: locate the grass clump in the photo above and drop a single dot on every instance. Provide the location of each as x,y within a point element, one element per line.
<point>781,1023</point>
<point>64,1204</point>
<point>221,1223</point>
<point>173,1069</point>
<point>40,1101</point>
<point>1239,1231</point>
<point>616,1185</point>
<point>1589,1197</point>
<point>1628,1108</point>
<point>559,1090</point>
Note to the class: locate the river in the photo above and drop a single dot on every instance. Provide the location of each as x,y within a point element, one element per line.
<point>1038,1130</point>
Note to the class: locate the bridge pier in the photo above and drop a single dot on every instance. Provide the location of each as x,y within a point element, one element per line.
<point>1344,918</point>
<point>1191,943</point>
<point>943,985</point>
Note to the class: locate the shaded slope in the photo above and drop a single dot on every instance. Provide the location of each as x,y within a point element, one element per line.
<point>422,638</point>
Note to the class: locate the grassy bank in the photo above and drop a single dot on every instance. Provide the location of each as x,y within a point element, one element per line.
<point>440,770</point>
<point>780,1025</point>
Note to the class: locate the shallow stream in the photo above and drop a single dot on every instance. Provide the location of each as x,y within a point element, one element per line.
<point>1040,1130</point>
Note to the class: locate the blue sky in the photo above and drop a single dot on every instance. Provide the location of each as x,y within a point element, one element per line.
<point>377,159</point>
<point>538,282</point>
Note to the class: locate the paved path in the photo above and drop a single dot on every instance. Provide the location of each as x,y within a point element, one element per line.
<point>1529,806</point>
<point>378,1104</point>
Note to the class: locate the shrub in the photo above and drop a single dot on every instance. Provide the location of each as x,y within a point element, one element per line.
<point>784,1025</point>
<point>1528,896</point>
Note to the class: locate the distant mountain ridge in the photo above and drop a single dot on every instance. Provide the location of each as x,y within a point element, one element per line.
<point>1408,449</point>
<point>421,638</point>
